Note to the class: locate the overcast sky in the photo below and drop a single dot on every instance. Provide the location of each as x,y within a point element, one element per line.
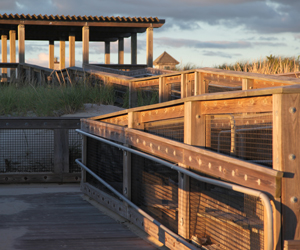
<point>202,32</point>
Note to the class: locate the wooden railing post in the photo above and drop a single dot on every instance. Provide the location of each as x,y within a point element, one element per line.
<point>61,151</point>
<point>164,90</point>
<point>286,158</point>
<point>247,84</point>
<point>200,86</point>
<point>183,85</point>
<point>194,134</point>
<point>132,95</point>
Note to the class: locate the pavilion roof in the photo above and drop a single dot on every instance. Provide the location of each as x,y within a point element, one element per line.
<point>58,27</point>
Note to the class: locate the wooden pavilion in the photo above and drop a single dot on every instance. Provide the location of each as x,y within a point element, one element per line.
<point>76,28</point>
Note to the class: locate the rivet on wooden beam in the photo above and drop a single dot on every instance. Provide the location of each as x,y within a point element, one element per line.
<point>158,147</point>
<point>190,158</point>
<point>246,177</point>
<point>233,173</point>
<point>167,150</point>
<point>209,165</point>
<point>258,182</point>
<point>174,153</point>
<point>220,168</point>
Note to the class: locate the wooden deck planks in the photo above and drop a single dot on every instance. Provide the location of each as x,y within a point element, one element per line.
<point>60,221</point>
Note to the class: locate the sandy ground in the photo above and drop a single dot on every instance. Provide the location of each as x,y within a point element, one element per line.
<point>91,110</point>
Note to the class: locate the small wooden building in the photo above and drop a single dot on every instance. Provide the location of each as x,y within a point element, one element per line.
<point>165,61</point>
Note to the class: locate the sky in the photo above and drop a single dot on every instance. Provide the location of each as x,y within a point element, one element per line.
<point>204,33</point>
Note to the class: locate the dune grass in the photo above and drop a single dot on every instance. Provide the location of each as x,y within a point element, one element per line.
<point>51,101</point>
<point>269,65</point>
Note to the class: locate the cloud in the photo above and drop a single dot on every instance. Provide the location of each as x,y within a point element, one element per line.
<point>220,54</point>
<point>179,43</point>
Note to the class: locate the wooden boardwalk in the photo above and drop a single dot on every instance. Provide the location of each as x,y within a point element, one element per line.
<point>59,217</point>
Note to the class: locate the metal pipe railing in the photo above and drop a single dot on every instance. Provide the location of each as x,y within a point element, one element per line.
<point>256,193</point>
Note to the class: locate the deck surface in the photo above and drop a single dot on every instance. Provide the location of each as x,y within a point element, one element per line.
<point>58,217</point>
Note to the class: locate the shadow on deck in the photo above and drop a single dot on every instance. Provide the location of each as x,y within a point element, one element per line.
<point>51,216</point>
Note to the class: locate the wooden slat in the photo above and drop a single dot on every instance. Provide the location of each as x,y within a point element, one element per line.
<point>46,177</point>
<point>205,161</point>
<point>242,105</point>
<point>162,114</point>
<point>118,120</point>
<point>257,84</point>
<point>291,244</point>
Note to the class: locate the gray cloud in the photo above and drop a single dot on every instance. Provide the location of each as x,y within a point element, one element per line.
<point>220,54</point>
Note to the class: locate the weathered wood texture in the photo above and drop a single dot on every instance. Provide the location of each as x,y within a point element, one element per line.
<point>60,220</point>
<point>291,244</point>
<point>286,157</point>
<point>225,167</point>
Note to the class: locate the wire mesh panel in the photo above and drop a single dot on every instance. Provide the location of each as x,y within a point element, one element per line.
<point>225,217</point>
<point>26,150</point>
<point>155,190</point>
<point>75,142</point>
<point>246,136</point>
<point>147,95</point>
<point>171,129</point>
<point>175,90</point>
<point>212,88</point>
<point>107,162</point>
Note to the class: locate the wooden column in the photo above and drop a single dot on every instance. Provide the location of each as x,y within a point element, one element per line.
<point>71,50</point>
<point>4,56</point>
<point>107,52</point>
<point>121,50</point>
<point>149,47</point>
<point>133,48</point>
<point>51,54</point>
<point>12,52</point>
<point>85,45</point>
<point>62,55</point>
<point>21,42</point>
<point>286,158</point>
<point>183,85</point>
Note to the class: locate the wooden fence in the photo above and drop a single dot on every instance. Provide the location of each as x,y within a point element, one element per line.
<point>196,121</point>
<point>39,150</point>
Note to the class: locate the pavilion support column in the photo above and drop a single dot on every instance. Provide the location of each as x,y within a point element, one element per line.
<point>4,56</point>
<point>121,51</point>
<point>133,48</point>
<point>71,51</point>
<point>12,52</point>
<point>51,54</point>
<point>107,52</point>
<point>149,47</point>
<point>62,55</point>
<point>21,42</point>
<point>85,45</point>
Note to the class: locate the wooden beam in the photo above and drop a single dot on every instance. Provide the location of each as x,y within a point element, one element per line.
<point>71,51</point>
<point>291,244</point>
<point>121,50</point>
<point>21,42</point>
<point>62,55</point>
<point>46,177</point>
<point>202,160</point>
<point>85,45</point>
<point>149,47</point>
<point>247,84</point>
<point>51,54</point>
<point>240,105</point>
<point>286,158</point>
<point>133,48</point>
<point>107,52</point>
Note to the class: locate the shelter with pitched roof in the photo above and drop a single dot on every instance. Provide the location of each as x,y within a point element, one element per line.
<point>76,28</point>
<point>165,61</point>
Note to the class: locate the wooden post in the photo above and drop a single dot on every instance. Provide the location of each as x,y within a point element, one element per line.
<point>12,52</point>
<point>85,45</point>
<point>127,174</point>
<point>183,85</point>
<point>247,84</point>
<point>61,151</point>
<point>132,95</point>
<point>4,56</point>
<point>51,54</point>
<point>200,86</point>
<point>286,158</point>
<point>133,48</point>
<point>107,52</point>
<point>83,157</point>
<point>149,47</point>
<point>121,50</point>
<point>71,50</point>
<point>21,42</point>
<point>164,90</point>
<point>62,55</point>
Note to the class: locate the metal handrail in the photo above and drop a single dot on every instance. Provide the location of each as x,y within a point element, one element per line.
<point>256,193</point>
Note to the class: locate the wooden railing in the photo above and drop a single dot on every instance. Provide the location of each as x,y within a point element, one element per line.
<point>281,104</point>
<point>39,150</point>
